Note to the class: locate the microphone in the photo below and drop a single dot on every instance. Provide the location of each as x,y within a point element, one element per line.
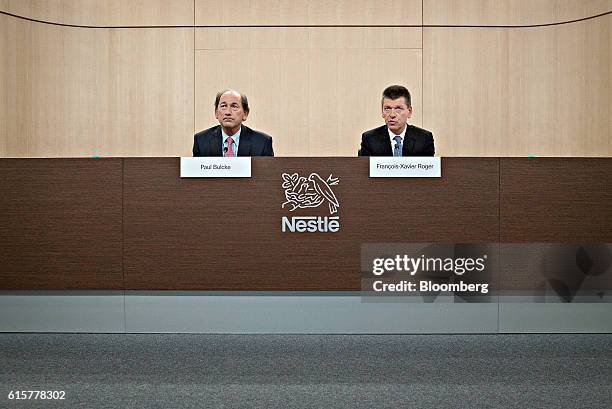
<point>224,151</point>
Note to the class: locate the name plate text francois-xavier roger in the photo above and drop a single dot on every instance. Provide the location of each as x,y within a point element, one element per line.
<point>405,167</point>
<point>216,167</point>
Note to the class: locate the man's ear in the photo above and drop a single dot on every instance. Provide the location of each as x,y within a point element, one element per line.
<point>409,112</point>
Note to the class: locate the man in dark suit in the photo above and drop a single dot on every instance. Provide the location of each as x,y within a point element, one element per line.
<point>396,137</point>
<point>230,137</point>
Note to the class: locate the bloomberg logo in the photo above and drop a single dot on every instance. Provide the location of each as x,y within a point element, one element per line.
<point>310,192</point>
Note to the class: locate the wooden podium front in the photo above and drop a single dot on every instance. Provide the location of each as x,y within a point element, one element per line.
<point>134,224</point>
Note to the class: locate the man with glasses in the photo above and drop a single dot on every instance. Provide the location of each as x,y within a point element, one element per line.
<point>230,137</point>
<point>396,137</point>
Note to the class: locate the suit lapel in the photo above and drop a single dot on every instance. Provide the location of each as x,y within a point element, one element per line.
<point>244,145</point>
<point>409,142</point>
<point>385,141</point>
<point>216,143</point>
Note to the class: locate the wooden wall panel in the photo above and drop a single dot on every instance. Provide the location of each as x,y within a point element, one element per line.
<point>176,236</point>
<point>514,92</point>
<point>315,90</point>
<point>556,200</point>
<point>152,93</point>
<point>510,12</point>
<point>226,38</point>
<point>104,12</point>
<point>307,12</point>
<point>313,102</point>
<point>484,91</point>
<point>346,87</point>
<point>560,96</point>
<point>5,60</point>
<point>465,90</point>
<point>82,92</point>
<point>61,224</point>
<point>276,83</point>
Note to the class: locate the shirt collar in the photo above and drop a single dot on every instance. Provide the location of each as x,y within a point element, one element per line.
<point>235,137</point>
<point>392,135</point>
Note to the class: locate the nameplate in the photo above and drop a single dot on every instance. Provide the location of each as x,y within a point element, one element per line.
<point>405,167</point>
<point>216,167</point>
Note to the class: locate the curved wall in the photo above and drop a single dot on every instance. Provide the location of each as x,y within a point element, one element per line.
<point>141,91</point>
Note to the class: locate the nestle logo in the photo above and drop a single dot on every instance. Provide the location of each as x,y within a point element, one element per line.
<point>311,224</point>
<point>311,192</point>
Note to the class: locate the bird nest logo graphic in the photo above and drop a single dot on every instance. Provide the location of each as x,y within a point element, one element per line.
<point>301,192</point>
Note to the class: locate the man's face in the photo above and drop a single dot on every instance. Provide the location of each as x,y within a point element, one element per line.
<point>229,112</point>
<point>396,113</point>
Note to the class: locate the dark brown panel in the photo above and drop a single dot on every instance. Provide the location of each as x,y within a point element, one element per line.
<point>556,200</point>
<point>60,224</point>
<point>225,234</point>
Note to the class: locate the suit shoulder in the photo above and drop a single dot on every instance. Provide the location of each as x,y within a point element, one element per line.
<point>258,135</point>
<point>207,132</point>
<point>415,130</point>
<point>376,131</point>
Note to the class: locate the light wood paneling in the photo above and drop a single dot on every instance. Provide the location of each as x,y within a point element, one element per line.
<point>308,12</point>
<point>510,12</point>
<point>276,83</point>
<point>510,92</point>
<point>104,12</point>
<point>232,38</point>
<point>313,102</point>
<point>5,61</point>
<point>560,93</point>
<point>345,92</point>
<point>80,92</point>
<point>484,91</point>
<point>301,37</point>
<point>465,90</point>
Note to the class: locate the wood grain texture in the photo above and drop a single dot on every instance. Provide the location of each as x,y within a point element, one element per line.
<point>481,91</point>
<point>560,96</point>
<point>465,90</point>
<point>510,12</point>
<point>104,13</point>
<point>178,236</point>
<point>308,12</point>
<point>4,85</point>
<point>303,38</point>
<point>308,100</point>
<point>515,92</point>
<point>558,271</point>
<point>80,92</point>
<point>72,224</point>
<point>556,200</point>
<point>61,224</point>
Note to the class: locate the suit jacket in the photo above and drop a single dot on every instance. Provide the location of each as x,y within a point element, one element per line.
<point>252,143</point>
<point>417,142</point>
